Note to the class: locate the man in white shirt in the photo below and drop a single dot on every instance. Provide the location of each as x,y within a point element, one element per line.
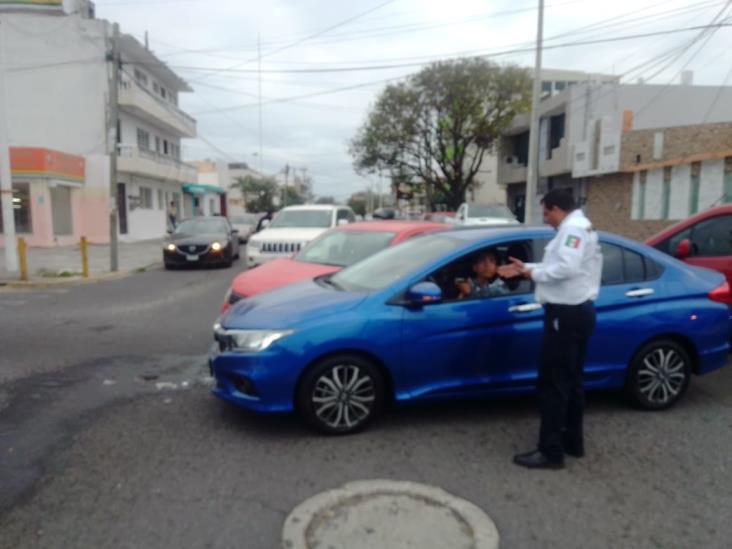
<point>567,282</point>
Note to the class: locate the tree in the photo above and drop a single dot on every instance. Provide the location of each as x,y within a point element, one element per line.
<point>437,126</point>
<point>358,202</point>
<point>291,196</point>
<point>258,192</point>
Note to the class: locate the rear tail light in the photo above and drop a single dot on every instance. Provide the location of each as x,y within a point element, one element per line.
<point>721,294</point>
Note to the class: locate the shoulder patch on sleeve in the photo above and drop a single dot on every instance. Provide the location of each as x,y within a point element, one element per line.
<point>573,241</point>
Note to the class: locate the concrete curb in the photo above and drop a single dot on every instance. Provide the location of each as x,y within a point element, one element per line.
<point>330,518</point>
<point>67,282</point>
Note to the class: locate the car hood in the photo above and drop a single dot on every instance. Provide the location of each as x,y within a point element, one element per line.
<point>293,234</point>
<point>184,239</point>
<point>289,307</point>
<point>277,273</point>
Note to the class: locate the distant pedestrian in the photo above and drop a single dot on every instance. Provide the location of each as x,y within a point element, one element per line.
<point>567,282</point>
<point>172,214</point>
<point>266,219</point>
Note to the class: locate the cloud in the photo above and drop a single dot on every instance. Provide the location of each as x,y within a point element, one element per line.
<point>313,132</point>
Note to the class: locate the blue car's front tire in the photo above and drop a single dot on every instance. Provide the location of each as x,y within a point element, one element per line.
<point>341,394</point>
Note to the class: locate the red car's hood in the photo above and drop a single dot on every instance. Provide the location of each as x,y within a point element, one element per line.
<point>277,273</point>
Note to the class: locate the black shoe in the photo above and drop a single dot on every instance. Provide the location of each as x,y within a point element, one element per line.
<point>537,460</point>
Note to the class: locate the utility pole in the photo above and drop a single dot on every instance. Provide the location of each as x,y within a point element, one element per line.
<point>532,172</point>
<point>287,176</point>
<point>112,121</point>
<point>259,71</point>
<point>6,182</point>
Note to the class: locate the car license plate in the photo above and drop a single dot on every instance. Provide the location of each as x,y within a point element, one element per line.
<point>192,257</point>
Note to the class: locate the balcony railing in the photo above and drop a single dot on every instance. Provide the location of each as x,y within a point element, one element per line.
<point>136,95</point>
<point>150,163</point>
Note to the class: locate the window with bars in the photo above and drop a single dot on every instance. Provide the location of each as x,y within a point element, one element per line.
<point>146,198</point>
<point>666,192</point>
<point>642,179</point>
<point>143,140</point>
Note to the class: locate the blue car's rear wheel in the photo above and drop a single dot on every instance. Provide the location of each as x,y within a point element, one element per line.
<point>659,374</point>
<point>341,394</point>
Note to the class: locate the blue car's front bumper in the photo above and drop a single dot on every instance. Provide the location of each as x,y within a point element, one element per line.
<point>260,382</point>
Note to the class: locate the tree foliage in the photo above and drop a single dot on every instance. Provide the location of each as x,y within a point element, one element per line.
<point>258,192</point>
<point>437,126</point>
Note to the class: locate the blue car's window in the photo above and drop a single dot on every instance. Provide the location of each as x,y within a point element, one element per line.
<point>390,265</point>
<point>623,266</point>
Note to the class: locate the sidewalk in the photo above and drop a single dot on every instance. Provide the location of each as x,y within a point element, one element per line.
<point>63,264</point>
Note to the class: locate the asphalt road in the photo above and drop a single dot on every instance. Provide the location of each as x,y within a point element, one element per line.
<point>109,438</point>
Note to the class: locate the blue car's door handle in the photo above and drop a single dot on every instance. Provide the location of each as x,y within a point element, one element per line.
<point>642,292</point>
<point>524,308</point>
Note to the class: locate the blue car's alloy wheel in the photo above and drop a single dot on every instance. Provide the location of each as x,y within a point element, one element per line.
<point>659,375</point>
<point>341,394</point>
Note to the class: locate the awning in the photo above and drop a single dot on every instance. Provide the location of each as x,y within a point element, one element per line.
<point>39,163</point>
<point>198,188</point>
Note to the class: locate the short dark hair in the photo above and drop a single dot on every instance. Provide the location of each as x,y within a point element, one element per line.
<point>560,198</point>
<point>482,256</point>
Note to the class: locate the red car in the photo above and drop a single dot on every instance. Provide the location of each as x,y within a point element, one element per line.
<point>704,239</point>
<point>334,250</point>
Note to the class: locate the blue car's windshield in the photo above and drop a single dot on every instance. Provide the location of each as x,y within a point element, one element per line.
<point>388,266</point>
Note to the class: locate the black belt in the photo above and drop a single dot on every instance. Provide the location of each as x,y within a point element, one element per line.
<point>565,306</point>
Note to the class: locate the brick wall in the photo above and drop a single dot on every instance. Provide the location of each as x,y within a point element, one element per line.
<point>681,145</point>
<point>609,207</point>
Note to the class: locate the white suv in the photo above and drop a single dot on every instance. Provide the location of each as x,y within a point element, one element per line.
<point>484,214</point>
<point>292,228</point>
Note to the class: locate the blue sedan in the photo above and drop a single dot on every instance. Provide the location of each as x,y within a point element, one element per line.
<point>337,348</point>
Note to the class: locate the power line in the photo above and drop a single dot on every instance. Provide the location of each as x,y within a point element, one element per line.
<point>487,55</point>
<point>314,35</point>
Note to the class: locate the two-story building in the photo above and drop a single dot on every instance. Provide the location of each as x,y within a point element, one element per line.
<point>637,156</point>
<point>57,83</point>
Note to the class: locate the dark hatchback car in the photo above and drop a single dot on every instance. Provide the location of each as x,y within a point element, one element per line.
<point>201,241</point>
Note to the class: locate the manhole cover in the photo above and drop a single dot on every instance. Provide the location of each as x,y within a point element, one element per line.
<point>389,514</point>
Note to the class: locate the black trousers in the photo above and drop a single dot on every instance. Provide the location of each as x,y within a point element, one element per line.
<point>567,330</point>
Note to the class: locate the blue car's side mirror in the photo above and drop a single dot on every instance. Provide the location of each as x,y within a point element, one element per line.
<point>424,293</point>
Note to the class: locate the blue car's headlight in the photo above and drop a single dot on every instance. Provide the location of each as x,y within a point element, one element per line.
<point>251,341</point>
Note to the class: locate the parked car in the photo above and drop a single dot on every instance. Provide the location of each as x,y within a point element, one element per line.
<point>442,217</point>
<point>201,241</point>
<point>330,252</point>
<point>245,223</point>
<point>484,214</point>
<point>704,239</point>
<point>337,348</point>
<point>291,230</point>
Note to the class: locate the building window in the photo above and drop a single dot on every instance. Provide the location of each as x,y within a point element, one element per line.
<point>607,151</point>
<point>666,196</point>
<point>141,77</point>
<point>166,149</point>
<point>156,87</point>
<point>212,207</point>
<point>146,198</point>
<point>559,86</point>
<point>158,145</point>
<point>143,140</point>
<point>546,88</point>
<point>119,131</point>
<point>21,208</point>
<point>728,179</point>
<point>161,203</point>
<point>694,191</point>
<point>163,92</point>
<point>642,178</point>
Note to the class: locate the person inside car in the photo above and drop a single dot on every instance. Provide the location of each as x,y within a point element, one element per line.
<point>486,282</point>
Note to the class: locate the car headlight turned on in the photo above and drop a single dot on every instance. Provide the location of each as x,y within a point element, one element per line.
<point>247,341</point>
<point>171,247</point>
<point>216,246</point>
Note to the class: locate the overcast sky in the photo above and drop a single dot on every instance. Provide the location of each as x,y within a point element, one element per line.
<point>196,36</point>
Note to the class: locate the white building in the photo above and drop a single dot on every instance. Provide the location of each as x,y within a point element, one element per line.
<point>58,84</point>
<point>218,179</point>
<point>553,81</point>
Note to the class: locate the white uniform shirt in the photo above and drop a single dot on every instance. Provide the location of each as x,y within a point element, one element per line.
<point>570,271</point>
